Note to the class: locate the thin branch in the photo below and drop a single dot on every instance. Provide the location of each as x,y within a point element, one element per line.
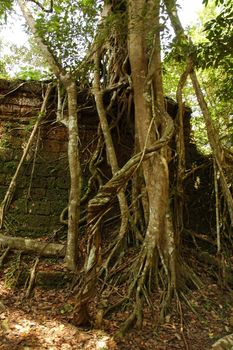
<point>11,91</point>
<point>32,278</point>
<point>57,69</point>
<point>50,10</point>
<point>217,207</point>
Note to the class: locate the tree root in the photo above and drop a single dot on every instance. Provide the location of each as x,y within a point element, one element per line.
<point>32,278</point>
<point>129,323</point>
<point>113,251</point>
<point>139,290</point>
<point>143,267</point>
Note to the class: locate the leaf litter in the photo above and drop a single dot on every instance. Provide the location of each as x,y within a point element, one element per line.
<point>44,322</point>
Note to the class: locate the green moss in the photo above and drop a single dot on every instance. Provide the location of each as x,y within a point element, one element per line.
<point>9,167</point>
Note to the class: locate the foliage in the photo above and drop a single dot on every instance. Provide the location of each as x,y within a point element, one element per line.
<point>69,29</point>
<point>132,60</point>
<point>217,2</point>
<point>3,70</point>
<point>29,74</point>
<point>25,62</point>
<point>216,63</point>
<point>212,51</point>
<point>5,9</point>
<point>216,51</point>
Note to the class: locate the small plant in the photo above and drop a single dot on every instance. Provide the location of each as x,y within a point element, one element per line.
<point>66,309</point>
<point>4,142</point>
<point>13,272</point>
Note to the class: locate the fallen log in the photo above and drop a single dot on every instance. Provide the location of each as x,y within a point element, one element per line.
<point>32,246</point>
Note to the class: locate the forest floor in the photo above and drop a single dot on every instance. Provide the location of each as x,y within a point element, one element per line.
<point>43,321</point>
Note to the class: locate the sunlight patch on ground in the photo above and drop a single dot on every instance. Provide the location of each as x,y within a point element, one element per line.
<point>101,344</point>
<point>40,331</point>
<point>21,323</point>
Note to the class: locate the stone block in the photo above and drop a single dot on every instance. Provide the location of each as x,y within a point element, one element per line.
<point>39,207</point>
<point>58,206</point>
<point>53,146</point>
<point>23,181</point>
<point>25,101</point>
<point>40,221</point>
<point>38,193</point>
<point>41,170</point>
<point>62,182</point>
<point>56,133</point>
<point>57,194</point>
<point>9,167</point>
<point>39,182</point>
<point>50,182</point>
<point>19,206</point>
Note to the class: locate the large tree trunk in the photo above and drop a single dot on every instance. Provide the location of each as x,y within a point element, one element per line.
<point>155,169</point>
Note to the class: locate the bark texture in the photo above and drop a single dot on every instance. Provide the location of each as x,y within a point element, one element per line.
<point>73,151</point>
<point>33,246</point>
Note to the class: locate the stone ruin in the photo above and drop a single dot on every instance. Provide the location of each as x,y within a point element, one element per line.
<point>42,188</point>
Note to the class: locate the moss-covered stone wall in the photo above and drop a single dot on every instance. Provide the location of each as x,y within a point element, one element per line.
<point>42,187</point>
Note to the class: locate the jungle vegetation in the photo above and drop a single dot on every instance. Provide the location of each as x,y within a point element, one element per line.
<point>137,52</point>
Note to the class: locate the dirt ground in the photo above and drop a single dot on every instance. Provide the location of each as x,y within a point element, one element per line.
<point>43,321</point>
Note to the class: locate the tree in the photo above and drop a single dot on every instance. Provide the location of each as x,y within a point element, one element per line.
<point>25,63</point>
<point>73,151</point>
<point>121,64</point>
<point>213,73</point>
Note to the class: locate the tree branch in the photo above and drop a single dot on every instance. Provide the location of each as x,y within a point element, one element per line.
<point>57,69</point>
<point>50,10</point>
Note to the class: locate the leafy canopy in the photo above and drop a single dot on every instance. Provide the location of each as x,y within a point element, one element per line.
<point>5,8</point>
<point>69,29</point>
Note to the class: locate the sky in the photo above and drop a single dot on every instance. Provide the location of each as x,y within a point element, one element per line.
<point>189,11</point>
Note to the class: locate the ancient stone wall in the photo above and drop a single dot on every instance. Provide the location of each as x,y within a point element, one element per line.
<point>43,185</point>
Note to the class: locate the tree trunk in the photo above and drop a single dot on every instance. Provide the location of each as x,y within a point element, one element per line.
<point>110,149</point>
<point>149,116</point>
<point>33,246</point>
<point>154,169</point>
<point>180,164</point>
<point>73,152</point>
<point>75,174</point>
<point>48,56</point>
